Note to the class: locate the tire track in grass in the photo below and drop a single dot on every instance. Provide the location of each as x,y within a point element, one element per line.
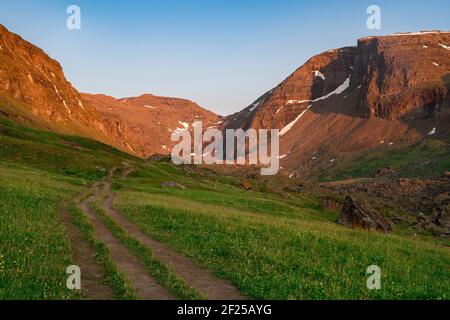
<point>193,275</point>
<point>165,276</point>
<point>145,286</point>
<point>92,275</point>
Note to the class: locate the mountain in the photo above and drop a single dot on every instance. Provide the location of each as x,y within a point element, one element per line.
<point>145,124</point>
<point>386,92</point>
<point>34,91</point>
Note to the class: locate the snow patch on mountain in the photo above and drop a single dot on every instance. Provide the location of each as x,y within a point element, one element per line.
<point>319,74</point>
<point>344,86</point>
<point>432,132</point>
<point>184,124</point>
<point>254,106</point>
<point>290,125</point>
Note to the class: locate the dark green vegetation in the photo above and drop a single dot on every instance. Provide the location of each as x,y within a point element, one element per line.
<point>427,159</point>
<point>57,154</point>
<point>269,246</point>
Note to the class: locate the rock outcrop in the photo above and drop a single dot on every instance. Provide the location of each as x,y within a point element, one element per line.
<point>358,215</point>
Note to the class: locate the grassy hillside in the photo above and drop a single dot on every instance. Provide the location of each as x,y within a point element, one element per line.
<point>34,250</point>
<point>274,250</point>
<point>426,159</point>
<point>38,172</point>
<point>268,246</point>
<point>55,153</point>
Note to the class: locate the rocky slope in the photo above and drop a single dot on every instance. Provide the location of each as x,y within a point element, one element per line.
<point>34,90</point>
<point>385,92</point>
<point>145,124</point>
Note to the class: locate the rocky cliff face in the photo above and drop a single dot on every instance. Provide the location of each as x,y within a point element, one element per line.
<point>386,91</point>
<point>404,76</point>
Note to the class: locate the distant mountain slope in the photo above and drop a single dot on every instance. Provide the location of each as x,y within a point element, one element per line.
<point>145,124</point>
<point>387,91</point>
<point>34,91</point>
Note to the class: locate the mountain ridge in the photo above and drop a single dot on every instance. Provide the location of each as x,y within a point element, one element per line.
<point>34,90</point>
<point>387,91</point>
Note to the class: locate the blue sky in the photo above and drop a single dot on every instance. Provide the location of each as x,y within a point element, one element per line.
<point>222,54</point>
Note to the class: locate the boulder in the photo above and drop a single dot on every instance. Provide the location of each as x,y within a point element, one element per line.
<point>171,184</point>
<point>385,171</point>
<point>358,215</point>
<point>441,216</point>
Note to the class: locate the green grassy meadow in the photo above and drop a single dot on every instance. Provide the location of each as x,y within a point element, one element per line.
<point>269,246</point>
<point>276,251</point>
<point>427,159</point>
<point>38,172</point>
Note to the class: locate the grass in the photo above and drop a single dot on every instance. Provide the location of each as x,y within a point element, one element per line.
<point>427,159</point>
<point>162,274</point>
<point>280,252</point>
<point>268,245</point>
<point>38,171</point>
<point>34,248</point>
<point>64,155</point>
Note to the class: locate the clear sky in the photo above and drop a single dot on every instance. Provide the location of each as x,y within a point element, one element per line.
<point>222,54</point>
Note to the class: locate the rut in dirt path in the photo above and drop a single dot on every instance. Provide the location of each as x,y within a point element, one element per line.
<point>92,276</point>
<point>193,275</point>
<point>144,285</point>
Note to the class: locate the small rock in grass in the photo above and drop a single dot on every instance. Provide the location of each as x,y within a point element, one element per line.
<point>172,184</point>
<point>246,185</point>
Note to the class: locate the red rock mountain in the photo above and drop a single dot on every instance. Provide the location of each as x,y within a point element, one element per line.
<point>145,124</point>
<point>386,91</point>
<point>34,91</point>
<point>391,90</point>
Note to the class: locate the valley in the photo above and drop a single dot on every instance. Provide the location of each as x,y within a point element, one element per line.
<point>269,245</point>
<point>87,180</point>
